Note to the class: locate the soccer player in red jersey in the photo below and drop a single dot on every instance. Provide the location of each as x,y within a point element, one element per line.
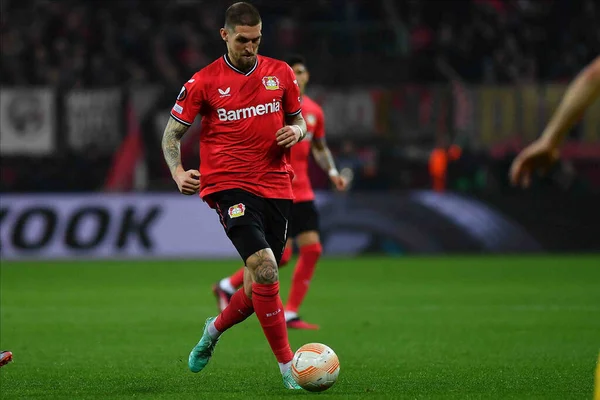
<point>251,116</point>
<point>304,225</point>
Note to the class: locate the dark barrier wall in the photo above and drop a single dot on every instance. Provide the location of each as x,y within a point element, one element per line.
<point>560,222</point>
<point>429,222</point>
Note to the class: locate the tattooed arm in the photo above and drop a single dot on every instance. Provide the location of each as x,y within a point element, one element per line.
<point>298,120</point>
<point>188,181</point>
<point>323,157</point>
<point>293,132</point>
<point>172,135</point>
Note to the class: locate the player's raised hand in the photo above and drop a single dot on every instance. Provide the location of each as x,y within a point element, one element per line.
<point>188,181</point>
<point>539,155</point>
<point>288,136</point>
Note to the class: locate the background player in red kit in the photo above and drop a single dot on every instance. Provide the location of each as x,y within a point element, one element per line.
<point>251,116</point>
<point>304,225</point>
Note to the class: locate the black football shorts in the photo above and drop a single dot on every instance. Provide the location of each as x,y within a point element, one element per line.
<point>305,218</point>
<point>253,223</point>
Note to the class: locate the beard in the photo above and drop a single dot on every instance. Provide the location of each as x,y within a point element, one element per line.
<point>246,62</point>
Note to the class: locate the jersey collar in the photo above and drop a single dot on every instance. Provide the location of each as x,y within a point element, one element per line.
<point>230,64</point>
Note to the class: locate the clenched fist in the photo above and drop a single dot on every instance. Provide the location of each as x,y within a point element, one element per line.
<point>188,181</point>
<point>289,135</point>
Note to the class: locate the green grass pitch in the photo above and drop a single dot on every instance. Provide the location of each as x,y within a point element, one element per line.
<point>410,327</point>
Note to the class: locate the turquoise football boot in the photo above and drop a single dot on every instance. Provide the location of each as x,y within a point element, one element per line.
<point>202,352</point>
<point>289,382</point>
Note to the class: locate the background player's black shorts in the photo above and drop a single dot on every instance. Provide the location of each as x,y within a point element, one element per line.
<point>305,217</point>
<point>253,223</point>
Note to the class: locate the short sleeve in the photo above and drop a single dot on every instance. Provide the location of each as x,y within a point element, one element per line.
<point>188,103</point>
<point>291,96</point>
<point>320,125</point>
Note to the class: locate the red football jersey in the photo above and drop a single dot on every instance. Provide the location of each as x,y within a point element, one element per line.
<point>241,111</point>
<point>315,124</point>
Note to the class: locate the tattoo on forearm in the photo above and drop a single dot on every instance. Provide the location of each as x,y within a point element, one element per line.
<point>324,158</point>
<point>298,120</point>
<point>264,267</point>
<point>172,135</point>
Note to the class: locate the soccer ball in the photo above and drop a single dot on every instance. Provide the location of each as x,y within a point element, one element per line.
<point>315,367</point>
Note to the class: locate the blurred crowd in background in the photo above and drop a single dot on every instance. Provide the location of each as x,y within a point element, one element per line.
<point>103,43</point>
<point>348,43</point>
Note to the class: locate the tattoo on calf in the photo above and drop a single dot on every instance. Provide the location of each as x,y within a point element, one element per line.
<point>265,267</point>
<point>266,273</point>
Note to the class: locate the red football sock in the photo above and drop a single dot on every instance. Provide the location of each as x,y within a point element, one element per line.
<point>239,308</point>
<point>287,254</point>
<point>305,268</point>
<point>237,279</point>
<point>269,311</point>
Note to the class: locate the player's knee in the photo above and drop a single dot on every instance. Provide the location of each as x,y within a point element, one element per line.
<point>263,267</point>
<point>314,250</point>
